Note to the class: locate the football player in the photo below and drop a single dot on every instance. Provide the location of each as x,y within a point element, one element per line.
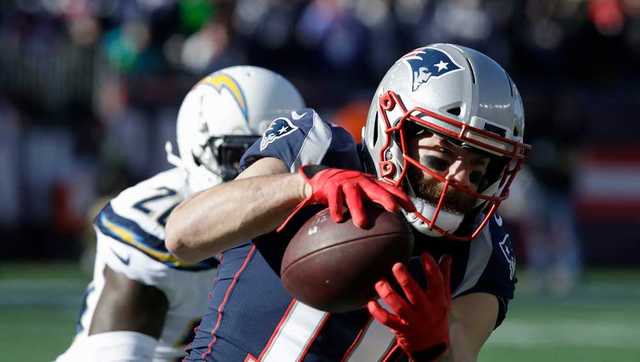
<point>442,144</point>
<point>143,303</point>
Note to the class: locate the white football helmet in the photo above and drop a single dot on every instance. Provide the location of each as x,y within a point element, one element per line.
<point>458,93</point>
<point>222,115</point>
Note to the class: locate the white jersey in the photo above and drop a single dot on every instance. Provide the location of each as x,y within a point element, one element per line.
<point>130,235</point>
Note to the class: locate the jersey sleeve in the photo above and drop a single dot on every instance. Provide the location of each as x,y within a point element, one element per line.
<point>492,267</point>
<point>303,138</point>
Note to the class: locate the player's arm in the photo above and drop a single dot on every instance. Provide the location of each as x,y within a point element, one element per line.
<point>256,202</point>
<point>129,305</point>
<point>128,321</point>
<point>471,322</point>
<point>263,197</point>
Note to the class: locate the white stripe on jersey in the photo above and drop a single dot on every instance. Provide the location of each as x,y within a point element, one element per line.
<point>294,334</point>
<point>315,145</point>
<point>374,344</point>
<point>479,255</point>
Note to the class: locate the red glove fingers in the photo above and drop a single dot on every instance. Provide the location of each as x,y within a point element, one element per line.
<point>393,196</point>
<point>384,317</point>
<point>443,271</point>
<point>410,287</point>
<point>420,318</point>
<point>337,188</point>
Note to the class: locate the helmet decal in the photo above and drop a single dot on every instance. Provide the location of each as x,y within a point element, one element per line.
<point>427,63</point>
<point>220,81</point>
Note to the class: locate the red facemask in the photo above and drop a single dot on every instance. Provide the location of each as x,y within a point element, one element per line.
<point>508,156</point>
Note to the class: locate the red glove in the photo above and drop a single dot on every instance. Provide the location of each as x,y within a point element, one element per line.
<point>333,187</point>
<point>421,319</point>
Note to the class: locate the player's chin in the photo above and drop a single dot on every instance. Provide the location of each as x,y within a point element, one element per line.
<point>453,204</point>
<point>456,211</point>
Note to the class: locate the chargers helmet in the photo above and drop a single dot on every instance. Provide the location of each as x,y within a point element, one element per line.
<point>463,95</point>
<point>222,115</point>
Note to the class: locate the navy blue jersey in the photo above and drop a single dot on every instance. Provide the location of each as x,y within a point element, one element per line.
<point>251,316</point>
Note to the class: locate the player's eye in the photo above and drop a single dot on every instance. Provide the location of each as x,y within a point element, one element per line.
<point>436,163</point>
<point>475,177</point>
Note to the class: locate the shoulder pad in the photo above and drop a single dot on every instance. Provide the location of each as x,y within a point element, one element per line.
<point>300,138</point>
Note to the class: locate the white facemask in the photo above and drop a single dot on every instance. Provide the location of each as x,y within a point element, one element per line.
<point>198,178</point>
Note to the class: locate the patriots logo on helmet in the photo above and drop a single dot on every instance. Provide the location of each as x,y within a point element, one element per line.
<point>279,127</point>
<point>427,63</point>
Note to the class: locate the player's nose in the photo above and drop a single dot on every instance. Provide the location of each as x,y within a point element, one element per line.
<point>460,172</point>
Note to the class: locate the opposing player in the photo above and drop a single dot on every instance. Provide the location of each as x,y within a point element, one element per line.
<point>444,138</point>
<point>143,303</point>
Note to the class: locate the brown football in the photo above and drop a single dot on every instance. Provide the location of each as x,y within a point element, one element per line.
<point>333,266</point>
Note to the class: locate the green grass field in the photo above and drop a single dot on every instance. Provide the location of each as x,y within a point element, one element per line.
<point>600,322</point>
<point>597,323</point>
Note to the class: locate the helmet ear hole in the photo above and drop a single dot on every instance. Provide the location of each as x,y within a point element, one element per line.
<point>375,130</point>
<point>388,169</point>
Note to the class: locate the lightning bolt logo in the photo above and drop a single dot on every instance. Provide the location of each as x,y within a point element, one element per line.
<point>220,81</point>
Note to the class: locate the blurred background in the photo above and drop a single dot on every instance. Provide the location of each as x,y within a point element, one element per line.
<point>89,93</point>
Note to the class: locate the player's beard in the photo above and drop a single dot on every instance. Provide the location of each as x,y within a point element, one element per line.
<point>455,201</point>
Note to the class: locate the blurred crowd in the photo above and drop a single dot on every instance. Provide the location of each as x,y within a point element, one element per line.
<point>89,89</point>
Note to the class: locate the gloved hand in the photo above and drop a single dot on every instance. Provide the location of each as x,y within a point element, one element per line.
<point>421,319</point>
<point>335,187</point>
